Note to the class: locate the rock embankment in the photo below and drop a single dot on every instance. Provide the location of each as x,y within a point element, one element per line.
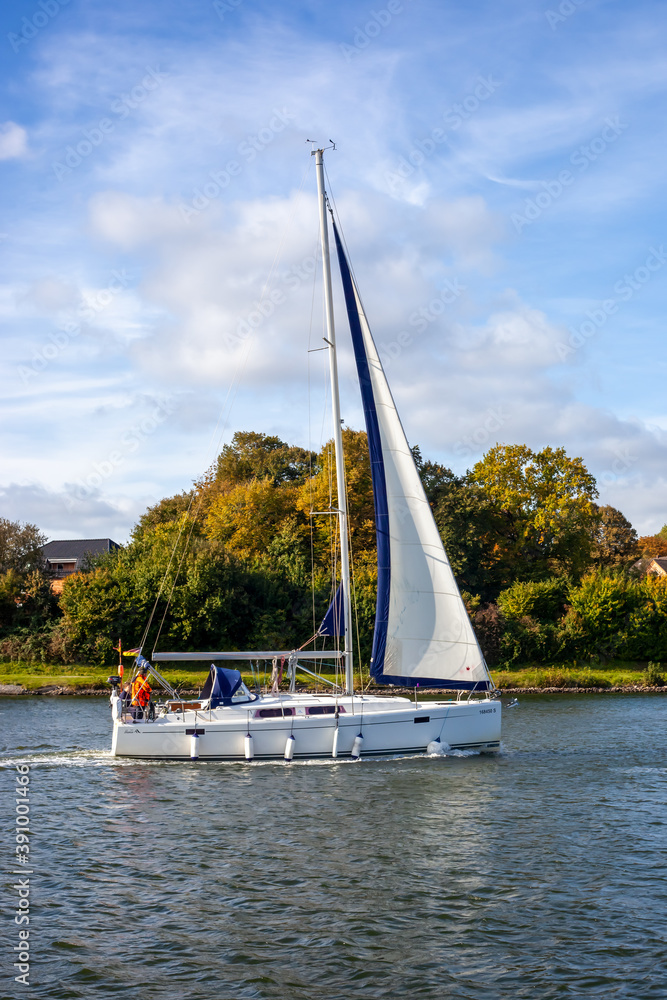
<point>52,689</point>
<point>103,689</point>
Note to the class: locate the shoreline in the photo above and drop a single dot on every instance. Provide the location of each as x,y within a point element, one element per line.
<point>68,691</point>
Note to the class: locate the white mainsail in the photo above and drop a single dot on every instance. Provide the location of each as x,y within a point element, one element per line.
<point>422,630</point>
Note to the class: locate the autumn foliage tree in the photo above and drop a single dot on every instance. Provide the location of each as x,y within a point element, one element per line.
<point>249,556</point>
<point>548,505</point>
<point>653,546</point>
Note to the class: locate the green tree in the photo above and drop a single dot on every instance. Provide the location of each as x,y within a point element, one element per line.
<point>542,600</point>
<point>531,612</point>
<point>318,495</point>
<point>549,503</point>
<point>615,541</point>
<point>262,456</point>
<point>644,636</point>
<point>471,526</point>
<point>602,604</point>
<point>20,546</point>
<point>166,511</point>
<point>27,604</point>
<point>203,595</point>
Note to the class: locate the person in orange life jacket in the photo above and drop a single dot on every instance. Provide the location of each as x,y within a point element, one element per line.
<point>141,689</point>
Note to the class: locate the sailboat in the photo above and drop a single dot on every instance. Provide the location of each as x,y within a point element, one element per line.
<point>423,637</point>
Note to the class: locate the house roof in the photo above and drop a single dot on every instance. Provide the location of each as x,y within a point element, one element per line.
<point>77,548</point>
<point>661,562</point>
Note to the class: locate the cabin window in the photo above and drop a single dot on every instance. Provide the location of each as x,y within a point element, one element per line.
<point>273,713</point>
<point>324,710</point>
<point>422,718</point>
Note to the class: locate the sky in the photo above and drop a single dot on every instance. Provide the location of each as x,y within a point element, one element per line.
<point>499,176</point>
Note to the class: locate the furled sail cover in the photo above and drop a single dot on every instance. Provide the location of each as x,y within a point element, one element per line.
<point>333,622</point>
<point>422,631</point>
<point>221,685</point>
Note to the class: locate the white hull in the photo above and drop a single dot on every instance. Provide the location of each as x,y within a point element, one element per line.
<point>388,726</point>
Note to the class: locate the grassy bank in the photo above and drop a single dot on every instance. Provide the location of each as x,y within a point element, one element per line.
<point>614,674</point>
<point>81,677</point>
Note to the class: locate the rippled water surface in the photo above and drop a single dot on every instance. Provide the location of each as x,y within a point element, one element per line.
<point>536,873</point>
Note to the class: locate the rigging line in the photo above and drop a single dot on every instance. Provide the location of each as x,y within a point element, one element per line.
<point>233,391</point>
<point>353,601</point>
<point>173,586</point>
<point>310,502</point>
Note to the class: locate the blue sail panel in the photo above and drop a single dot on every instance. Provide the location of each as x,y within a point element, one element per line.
<point>333,622</point>
<point>377,468</point>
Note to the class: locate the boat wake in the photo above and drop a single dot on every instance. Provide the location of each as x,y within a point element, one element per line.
<point>444,750</point>
<point>66,758</point>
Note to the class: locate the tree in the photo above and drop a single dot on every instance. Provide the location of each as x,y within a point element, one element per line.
<point>652,546</point>
<point>603,602</point>
<point>166,511</point>
<point>542,600</point>
<point>470,526</point>
<point>319,494</point>
<point>247,516</point>
<point>20,546</point>
<point>549,503</point>
<point>436,479</point>
<point>615,540</point>
<point>262,456</point>
<point>210,596</point>
<point>645,633</point>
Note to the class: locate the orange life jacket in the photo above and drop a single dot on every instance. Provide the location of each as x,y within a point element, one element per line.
<point>141,691</point>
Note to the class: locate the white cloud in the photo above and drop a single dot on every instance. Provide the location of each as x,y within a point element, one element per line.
<point>13,141</point>
<point>130,222</point>
<point>61,514</point>
<point>50,294</point>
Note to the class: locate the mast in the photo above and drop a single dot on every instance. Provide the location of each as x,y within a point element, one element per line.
<point>338,430</point>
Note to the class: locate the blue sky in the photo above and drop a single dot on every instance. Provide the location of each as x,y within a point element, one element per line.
<point>499,174</point>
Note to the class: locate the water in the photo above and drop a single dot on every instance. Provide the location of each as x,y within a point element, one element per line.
<point>536,873</point>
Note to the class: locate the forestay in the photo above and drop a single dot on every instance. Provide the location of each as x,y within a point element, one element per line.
<point>422,631</point>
